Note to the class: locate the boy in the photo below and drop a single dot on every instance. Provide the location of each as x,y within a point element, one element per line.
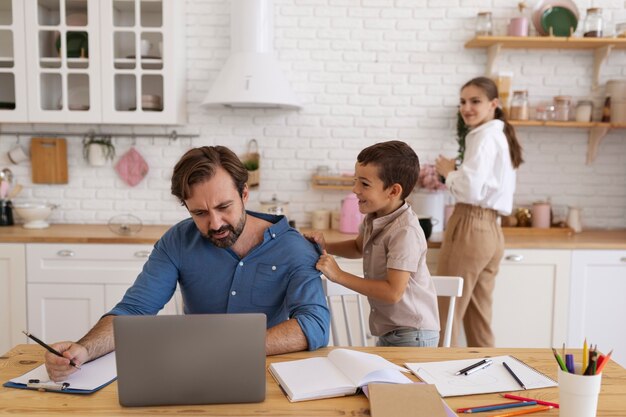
<point>396,279</point>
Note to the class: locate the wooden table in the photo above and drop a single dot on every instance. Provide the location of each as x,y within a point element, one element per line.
<point>22,358</point>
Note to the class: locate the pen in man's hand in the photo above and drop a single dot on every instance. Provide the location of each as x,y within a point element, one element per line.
<point>475,367</point>
<point>48,347</point>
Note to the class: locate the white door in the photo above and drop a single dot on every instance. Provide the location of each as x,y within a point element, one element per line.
<point>531,298</point>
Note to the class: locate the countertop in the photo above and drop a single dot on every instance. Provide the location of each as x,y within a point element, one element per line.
<point>520,238</point>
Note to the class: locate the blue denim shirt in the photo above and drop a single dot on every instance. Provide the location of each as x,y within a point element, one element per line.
<point>278,278</point>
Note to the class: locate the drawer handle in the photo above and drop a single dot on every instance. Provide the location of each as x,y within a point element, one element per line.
<point>142,254</point>
<point>66,253</point>
<point>515,258</point>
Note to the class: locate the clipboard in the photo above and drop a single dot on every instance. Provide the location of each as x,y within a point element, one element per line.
<point>91,377</point>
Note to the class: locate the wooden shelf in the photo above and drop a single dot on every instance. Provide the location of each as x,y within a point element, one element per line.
<point>343,182</point>
<point>601,47</point>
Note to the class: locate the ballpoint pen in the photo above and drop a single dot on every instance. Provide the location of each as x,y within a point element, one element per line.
<point>464,370</point>
<point>476,367</point>
<point>48,347</point>
<point>519,381</point>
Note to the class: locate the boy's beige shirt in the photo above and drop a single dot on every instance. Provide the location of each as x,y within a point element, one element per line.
<point>397,241</point>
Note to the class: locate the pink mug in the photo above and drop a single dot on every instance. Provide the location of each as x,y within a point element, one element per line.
<point>518,26</point>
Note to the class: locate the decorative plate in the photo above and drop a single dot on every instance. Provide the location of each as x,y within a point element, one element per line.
<point>562,21</point>
<point>542,5</point>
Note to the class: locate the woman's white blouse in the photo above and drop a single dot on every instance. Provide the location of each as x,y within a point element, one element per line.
<point>486,177</point>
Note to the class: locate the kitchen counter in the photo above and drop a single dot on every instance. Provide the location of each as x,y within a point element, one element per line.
<point>514,237</point>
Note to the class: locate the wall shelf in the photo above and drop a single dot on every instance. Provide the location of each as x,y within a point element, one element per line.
<point>337,182</point>
<point>597,131</point>
<point>601,46</point>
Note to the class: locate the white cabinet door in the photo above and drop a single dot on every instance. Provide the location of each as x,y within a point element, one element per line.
<point>13,103</point>
<point>598,307</point>
<point>531,298</point>
<point>59,312</point>
<point>12,295</point>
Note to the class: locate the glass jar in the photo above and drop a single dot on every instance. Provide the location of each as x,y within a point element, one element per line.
<point>484,25</point>
<point>593,23</point>
<point>620,30</point>
<point>584,109</point>
<point>561,108</point>
<point>519,105</point>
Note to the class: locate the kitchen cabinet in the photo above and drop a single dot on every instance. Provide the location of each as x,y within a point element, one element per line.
<point>530,299</point>
<point>597,308</point>
<point>70,286</point>
<point>91,61</point>
<point>12,295</point>
<point>601,48</point>
<point>13,106</point>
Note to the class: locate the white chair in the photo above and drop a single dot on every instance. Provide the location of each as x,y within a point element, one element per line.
<point>448,287</point>
<point>338,292</point>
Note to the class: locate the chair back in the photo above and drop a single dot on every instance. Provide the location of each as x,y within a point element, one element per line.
<point>452,287</point>
<point>348,304</point>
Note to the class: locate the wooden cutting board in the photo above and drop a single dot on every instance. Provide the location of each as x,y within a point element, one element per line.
<point>48,157</point>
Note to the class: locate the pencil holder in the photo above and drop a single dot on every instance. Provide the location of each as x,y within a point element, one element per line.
<point>578,394</point>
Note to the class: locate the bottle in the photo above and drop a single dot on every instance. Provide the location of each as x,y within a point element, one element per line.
<point>484,25</point>
<point>584,108</point>
<point>561,108</point>
<point>519,105</point>
<point>593,23</point>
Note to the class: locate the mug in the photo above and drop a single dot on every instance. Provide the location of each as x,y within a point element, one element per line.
<point>17,154</point>
<point>427,224</point>
<point>320,220</point>
<point>518,26</point>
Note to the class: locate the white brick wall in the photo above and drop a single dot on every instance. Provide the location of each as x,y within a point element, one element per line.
<point>365,71</point>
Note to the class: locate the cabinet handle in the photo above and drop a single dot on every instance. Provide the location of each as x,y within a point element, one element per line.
<point>66,253</point>
<point>515,258</point>
<point>142,253</point>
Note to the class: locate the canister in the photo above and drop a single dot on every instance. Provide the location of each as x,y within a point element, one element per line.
<point>540,215</point>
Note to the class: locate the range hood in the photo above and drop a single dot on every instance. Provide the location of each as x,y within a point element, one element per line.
<point>251,76</point>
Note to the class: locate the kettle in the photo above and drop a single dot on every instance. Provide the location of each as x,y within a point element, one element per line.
<point>350,217</point>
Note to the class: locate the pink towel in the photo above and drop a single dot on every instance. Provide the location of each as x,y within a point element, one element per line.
<point>132,167</point>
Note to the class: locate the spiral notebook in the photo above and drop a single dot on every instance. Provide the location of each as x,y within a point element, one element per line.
<point>494,378</point>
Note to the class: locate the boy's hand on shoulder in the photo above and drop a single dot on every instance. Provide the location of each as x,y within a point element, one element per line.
<point>328,266</point>
<point>317,237</point>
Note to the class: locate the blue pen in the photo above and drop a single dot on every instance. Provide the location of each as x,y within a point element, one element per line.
<point>499,407</point>
<point>569,363</point>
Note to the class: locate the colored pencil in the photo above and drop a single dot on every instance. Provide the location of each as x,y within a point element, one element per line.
<point>527,411</point>
<point>585,356</point>
<point>500,407</point>
<point>603,364</point>
<point>463,409</point>
<point>517,397</point>
<point>569,363</point>
<point>559,360</point>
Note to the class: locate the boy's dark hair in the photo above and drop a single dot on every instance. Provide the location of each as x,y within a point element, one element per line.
<point>397,163</point>
<point>199,165</point>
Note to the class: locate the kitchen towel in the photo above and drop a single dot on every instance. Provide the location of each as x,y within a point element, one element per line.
<point>131,167</point>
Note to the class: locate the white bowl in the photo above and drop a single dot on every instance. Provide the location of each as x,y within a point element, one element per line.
<point>34,214</point>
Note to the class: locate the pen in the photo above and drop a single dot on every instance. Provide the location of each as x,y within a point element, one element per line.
<point>48,347</point>
<point>528,411</point>
<point>521,384</point>
<point>499,407</point>
<point>476,365</point>
<point>478,368</point>
<point>517,397</point>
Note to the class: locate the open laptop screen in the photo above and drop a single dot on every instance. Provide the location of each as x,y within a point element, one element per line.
<point>190,359</point>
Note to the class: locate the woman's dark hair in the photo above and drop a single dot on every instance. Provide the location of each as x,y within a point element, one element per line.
<point>491,91</point>
<point>397,163</point>
<point>199,164</point>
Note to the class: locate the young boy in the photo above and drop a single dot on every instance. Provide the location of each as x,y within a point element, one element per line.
<point>396,279</point>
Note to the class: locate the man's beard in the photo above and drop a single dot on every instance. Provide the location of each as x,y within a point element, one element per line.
<point>231,238</point>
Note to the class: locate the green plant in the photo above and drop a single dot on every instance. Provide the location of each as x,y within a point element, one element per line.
<point>461,132</point>
<point>106,144</point>
<point>251,164</point>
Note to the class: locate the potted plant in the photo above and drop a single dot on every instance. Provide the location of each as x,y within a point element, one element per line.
<point>98,150</point>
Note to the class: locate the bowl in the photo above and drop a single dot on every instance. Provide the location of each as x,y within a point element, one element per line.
<point>34,214</point>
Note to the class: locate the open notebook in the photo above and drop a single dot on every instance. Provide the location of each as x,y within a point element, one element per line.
<point>494,378</point>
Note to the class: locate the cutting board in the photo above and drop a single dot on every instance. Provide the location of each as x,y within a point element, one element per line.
<point>48,157</point>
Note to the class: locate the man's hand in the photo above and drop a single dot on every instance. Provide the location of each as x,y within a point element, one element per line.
<point>328,266</point>
<point>59,368</point>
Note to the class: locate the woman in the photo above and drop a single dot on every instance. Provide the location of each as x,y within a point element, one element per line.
<point>483,187</point>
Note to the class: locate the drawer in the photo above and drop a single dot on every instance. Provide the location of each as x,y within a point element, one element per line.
<point>85,263</point>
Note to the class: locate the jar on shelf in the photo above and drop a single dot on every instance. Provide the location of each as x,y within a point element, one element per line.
<point>519,105</point>
<point>620,30</point>
<point>484,25</point>
<point>584,109</point>
<point>561,108</point>
<point>592,27</point>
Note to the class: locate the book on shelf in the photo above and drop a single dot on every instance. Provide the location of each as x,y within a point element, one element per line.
<point>343,372</point>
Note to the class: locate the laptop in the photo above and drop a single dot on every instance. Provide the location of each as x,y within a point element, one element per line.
<point>190,359</point>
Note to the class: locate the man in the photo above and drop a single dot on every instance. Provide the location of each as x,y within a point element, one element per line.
<point>226,260</point>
